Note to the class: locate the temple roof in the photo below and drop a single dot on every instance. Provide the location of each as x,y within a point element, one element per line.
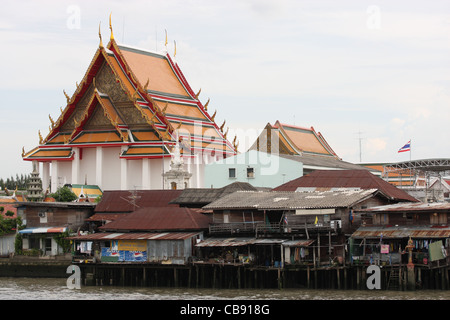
<point>293,140</point>
<point>134,98</point>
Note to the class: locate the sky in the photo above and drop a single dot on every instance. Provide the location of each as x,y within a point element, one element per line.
<point>368,75</point>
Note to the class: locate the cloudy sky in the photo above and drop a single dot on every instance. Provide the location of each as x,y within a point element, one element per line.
<point>370,73</point>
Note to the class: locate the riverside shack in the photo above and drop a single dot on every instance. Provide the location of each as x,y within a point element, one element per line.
<point>315,223</point>
<point>162,235</point>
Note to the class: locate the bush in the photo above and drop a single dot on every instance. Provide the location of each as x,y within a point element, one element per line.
<point>64,194</point>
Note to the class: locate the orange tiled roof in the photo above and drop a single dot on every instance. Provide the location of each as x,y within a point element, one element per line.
<point>158,93</point>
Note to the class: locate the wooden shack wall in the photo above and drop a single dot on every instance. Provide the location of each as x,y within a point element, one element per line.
<point>54,217</point>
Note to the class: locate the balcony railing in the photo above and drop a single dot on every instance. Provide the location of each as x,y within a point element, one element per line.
<point>274,227</point>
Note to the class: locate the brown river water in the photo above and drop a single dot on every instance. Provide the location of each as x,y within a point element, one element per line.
<point>57,289</point>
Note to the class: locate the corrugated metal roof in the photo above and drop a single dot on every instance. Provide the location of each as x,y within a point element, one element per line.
<point>160,219</point>
<point>136,236</point>
<point>402,232</point>
<point>273,200</point>
<point>346,179</point>
<point>207,195</point>
<point>225,242</point>
<point>236,242</point>
<point>405,207</point>
<point>298,243</point>
<point>123,201</point>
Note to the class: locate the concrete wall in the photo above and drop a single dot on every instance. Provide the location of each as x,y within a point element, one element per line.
<point>269,170</point>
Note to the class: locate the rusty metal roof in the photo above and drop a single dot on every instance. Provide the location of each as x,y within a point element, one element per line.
<point>225,242</point>
<point>236,242</point>
<point>160,219</point>
<point>346,179</point>
<point>128,201</point>
<point>402,232</point>
<point>107,236</point>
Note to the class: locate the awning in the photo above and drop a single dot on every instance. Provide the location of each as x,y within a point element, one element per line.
<point>235,242</point>
<point>298,243</point>
<point>402,232</point>
<point>225,242</point>
<point>44,230</point>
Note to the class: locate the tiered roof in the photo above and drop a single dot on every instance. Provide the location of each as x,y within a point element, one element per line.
<point>134,98</point>
<point>293,140</point>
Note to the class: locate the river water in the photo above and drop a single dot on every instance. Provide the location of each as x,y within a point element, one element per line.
<point>57,289</point>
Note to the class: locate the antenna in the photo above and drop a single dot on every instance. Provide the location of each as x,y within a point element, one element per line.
<point>360,147</point>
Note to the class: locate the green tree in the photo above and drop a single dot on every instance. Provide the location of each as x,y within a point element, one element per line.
<point>64,194</point>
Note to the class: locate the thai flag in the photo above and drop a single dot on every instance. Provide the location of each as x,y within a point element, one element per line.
<point>406,147</point>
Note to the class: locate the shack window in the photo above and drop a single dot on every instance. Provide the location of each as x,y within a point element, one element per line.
<point>232,173</point>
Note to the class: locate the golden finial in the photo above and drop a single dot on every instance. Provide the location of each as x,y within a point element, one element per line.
<point>76,83</point>
<point>236,146</point>
<point>23,151</point>
<point>51,120</point>
<point>40,137</point>
<point>175,50</point>
<point>206,105</point>
<point>234,140</point>
<point>67,96</point>
<point>166,38</point>
<point>146,85</point>
<point>100,35</point>
<point>225,134</point>
<point>61,109</point>
<point>198,93</point>
<point>223,124</point>
<point>110,27</point>
<point>179,125</point>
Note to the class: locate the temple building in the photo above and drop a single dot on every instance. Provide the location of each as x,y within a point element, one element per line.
<point>120,126</point>
<point>301,144</point>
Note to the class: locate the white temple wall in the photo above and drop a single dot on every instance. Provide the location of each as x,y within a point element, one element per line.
<point>87,166</point>
<point>111,169</point>
<point>134,174</point>
<point>64,172</point>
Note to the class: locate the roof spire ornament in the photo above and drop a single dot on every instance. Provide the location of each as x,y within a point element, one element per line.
<point>175,50</point>
<point>67,96</point>
<point>165,44</point>
<point>100,36</point>
<point>206,105</point>
<point>51,120</point>
<point>110,27</point>
<point>214,115</point>
<point>40,137</point>
<point>198,93</point>
<point>223,125</point>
